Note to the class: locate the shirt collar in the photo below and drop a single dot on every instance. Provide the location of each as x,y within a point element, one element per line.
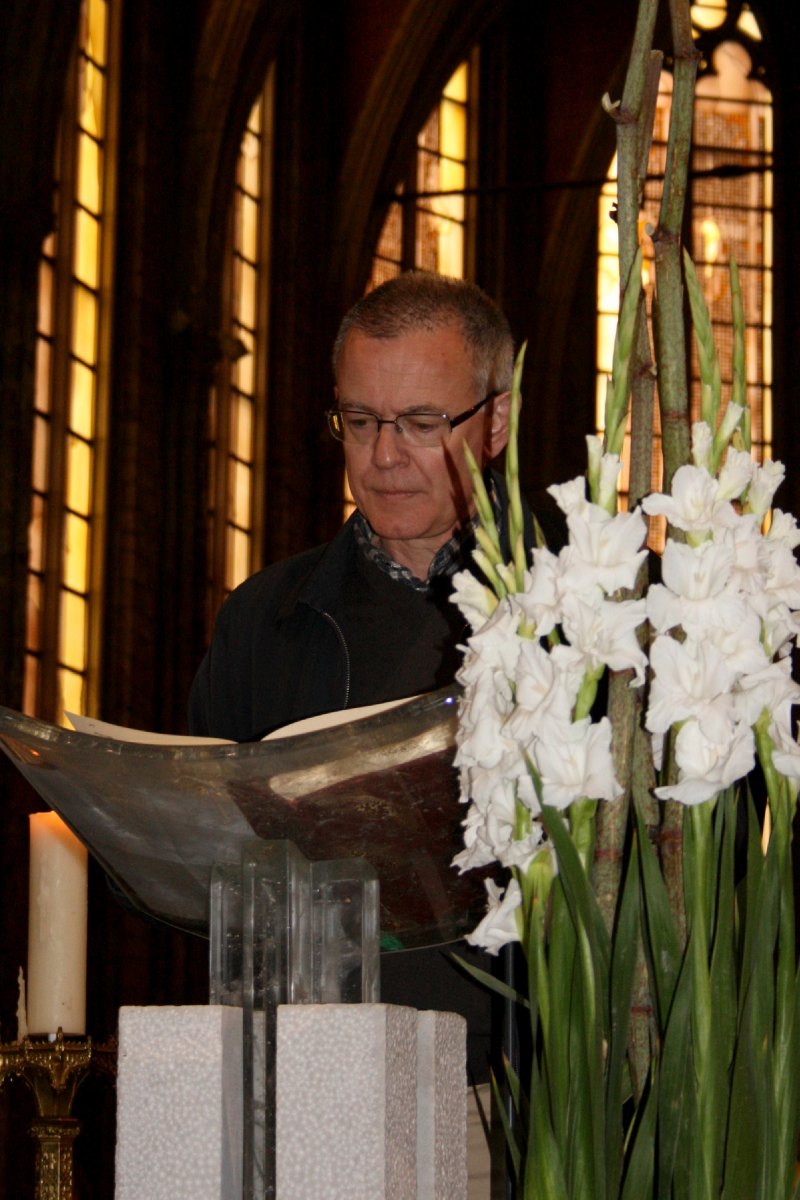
<point>448,559</point>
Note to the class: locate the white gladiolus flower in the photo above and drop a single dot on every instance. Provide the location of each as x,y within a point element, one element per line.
<point>547,687</point>
<point>707,766</point>
<point>749,556</point>
<point>767,478</point>
<point>570,497</point>
<point>694,593</point>
<point>496,644</point>
<point>521,852</point>
<point>578,766</point>
<point>735,474</point>
<point>771,688</point>
<point>784,528</point>
<point>603,473</point>
<point>605,631</point>
<point>692,680</point>
<point>501,923</point>
<point>785,754</point>
<point>741,648</point>
<point>538,602</point>
<point>695,504</point>
<point>702,444</point>
<point>782,582</point>
<point>474,599</point>
<point>603,550</point>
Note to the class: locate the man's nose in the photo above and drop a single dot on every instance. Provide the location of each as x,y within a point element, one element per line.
<point>389,447</point>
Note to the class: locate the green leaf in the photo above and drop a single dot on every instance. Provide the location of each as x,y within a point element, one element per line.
<point>511,1142</point>
<point>521,1102</point>
<point>751,1170</point>
<point>640,1157</point>
<point>723,953</point>
<point>586,1124</point>
<point>489,981</point>
<point>556,1061</point>
<point>623,967</point>
<point>544,1174</point>
<point>662,946</point>
<point>676,1099</point>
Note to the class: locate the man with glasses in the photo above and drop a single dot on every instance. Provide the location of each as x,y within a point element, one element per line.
<point>422,365</point>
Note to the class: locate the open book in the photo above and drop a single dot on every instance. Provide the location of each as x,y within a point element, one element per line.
<point>122,733</point>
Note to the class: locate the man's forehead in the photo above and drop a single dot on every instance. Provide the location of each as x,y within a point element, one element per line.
<point>428,345</point>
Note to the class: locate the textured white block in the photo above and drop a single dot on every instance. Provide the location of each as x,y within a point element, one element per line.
<point>179,1103</point>
<point>346,1102</point>
<point>441,1106</point>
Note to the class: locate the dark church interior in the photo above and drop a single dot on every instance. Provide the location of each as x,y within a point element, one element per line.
<point>344,88</point>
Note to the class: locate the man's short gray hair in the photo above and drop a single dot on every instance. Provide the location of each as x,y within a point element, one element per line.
<point>424,300</point>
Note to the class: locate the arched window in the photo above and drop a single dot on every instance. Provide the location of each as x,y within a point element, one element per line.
<point>429,225</point>
<point>74,325</point>
<point>238,400</point>
<point>729,211</point>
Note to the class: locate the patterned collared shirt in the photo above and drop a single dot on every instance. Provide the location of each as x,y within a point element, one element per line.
<point>448,559</point>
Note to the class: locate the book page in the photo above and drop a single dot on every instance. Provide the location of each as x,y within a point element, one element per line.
<point>122,733</point>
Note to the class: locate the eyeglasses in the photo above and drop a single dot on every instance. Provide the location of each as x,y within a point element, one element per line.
<point>417,428</point>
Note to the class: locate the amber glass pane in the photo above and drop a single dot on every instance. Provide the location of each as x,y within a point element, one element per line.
<point>244,373</point>
<point>246,307</point>
<point>43,358</point>
<point>87,248</point>
<point>84,324</point>
<point>45,301</point>
<point>96,32</point>
<point>238,556</point>
<point>41,458</point>
<point>81,408</point>
<point>453,130</point>
<point>251,165</point>
<point>76,553</point>
<point>242,431</point>
<point>36,534</point>
<point>93,86</point>
<point>33,622</point>
<point>456,86</point>
<point>72,643</point>
<point>79,476</point>
<point>249,228</point>
<point>90,164</point>
<point>241,494</point>
<point>30,684</point>
<point>71,688</point>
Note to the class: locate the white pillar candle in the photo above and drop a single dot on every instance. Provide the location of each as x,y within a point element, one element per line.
<point>57,912</point>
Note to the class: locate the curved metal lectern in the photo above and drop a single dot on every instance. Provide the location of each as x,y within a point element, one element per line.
<point>159,817</point>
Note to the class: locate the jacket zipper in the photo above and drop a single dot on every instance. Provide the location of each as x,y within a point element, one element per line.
<point>345,651</point>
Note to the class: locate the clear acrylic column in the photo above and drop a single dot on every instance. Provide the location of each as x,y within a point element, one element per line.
<point>287,931</point>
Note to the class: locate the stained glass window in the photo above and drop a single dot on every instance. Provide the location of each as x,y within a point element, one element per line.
<point>729,216</point>
<point>239,396</point>
<point>71,389</point>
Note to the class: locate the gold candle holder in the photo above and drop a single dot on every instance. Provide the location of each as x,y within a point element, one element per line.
<point>54,1070</point>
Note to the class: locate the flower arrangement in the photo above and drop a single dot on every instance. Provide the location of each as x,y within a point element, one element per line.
<point>715,1111</point>
<point>628,757</point>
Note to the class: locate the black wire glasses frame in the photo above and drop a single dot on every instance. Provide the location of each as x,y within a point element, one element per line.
<point>418,428</point>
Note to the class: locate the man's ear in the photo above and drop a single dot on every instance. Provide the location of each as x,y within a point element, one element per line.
<point>497,427</point>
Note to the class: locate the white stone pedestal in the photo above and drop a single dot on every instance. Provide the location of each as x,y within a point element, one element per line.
<point>371,1104</point>
<point>179,1103</point>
